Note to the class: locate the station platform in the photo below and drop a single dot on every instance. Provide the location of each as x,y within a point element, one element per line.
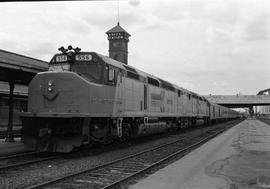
<point>9,148</point>
<point>238,158</point>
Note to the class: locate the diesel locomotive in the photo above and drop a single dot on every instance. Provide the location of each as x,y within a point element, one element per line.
<point>86,97</point>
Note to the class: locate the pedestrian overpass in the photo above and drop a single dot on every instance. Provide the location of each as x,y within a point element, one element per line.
<point>240,101</point>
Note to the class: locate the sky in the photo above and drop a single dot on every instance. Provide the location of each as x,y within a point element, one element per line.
<point>218,47</point>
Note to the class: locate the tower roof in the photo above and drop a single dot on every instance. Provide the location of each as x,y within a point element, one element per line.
<point>116,29</point>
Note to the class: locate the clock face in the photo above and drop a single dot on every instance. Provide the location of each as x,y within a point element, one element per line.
<point>118,44</point>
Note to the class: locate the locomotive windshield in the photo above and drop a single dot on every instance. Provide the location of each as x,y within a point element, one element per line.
<point>91,71</point>
<point>59,67</point>
<point>59,63</point>
<point>81,63</point>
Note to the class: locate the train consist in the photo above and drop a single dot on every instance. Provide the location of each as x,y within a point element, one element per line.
<point>86,97</point>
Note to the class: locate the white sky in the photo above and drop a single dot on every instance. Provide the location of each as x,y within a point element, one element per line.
<point>207,46</point>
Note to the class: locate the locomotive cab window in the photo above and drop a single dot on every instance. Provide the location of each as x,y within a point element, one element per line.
<point>120,76</point>
<point>111,75</point>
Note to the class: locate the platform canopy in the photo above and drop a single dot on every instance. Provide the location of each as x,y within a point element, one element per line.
<point>17,69</point>
<point>21,69</point>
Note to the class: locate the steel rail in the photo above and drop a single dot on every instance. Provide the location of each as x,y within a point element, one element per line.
<point>197,144</point>
<point>28,162</point>
<point>55,181</point>
<point>18,155</point>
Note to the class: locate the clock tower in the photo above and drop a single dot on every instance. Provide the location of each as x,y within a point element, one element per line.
<point>118,43</point>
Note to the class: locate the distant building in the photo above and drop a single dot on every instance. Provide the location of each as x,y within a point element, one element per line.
<point>264,109</point>
<point>118,43</point>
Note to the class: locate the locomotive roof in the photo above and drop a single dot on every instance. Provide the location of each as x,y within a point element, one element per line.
<point>129,68</point>
<point>118,64</point>
<point>111,61</point>
<point>143,74</point>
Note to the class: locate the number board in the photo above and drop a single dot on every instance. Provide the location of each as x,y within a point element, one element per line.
<point>83,57</point>
<point>61,58</point>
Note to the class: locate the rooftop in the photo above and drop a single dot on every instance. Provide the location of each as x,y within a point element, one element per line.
<point>19,68</point>
<point>12,60</point>
<point>116,29</point>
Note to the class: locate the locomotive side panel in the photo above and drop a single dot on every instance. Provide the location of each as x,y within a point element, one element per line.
<point>185,103</point>
<point>102,101</point>
<point>212,111</point>
<point>156,100</point>
<point>179,104</point>
<point>189,105</point>
<point>194,106</point>
<point>204,110</point>
<point>201,107</point>
<point>168,103</point>
<point>134,98</point>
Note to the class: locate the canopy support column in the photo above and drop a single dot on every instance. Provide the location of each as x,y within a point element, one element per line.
<point>9,135</point>
<point>251,111</point>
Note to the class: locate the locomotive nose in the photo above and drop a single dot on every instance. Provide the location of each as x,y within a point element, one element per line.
<point>58,92</point>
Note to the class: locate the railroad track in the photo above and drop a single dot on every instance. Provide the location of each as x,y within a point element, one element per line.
<point>114,173</point>
<point>18,160</point>
<point>16,133</point>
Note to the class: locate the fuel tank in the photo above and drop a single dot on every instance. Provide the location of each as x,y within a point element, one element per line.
<point>152,126</point>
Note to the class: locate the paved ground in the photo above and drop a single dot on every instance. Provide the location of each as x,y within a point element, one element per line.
<point>237,159</point>
<point>10,147</point>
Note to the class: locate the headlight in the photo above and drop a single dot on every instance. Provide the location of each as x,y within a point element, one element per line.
<point>50,89</point>
<point>50,83</point>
